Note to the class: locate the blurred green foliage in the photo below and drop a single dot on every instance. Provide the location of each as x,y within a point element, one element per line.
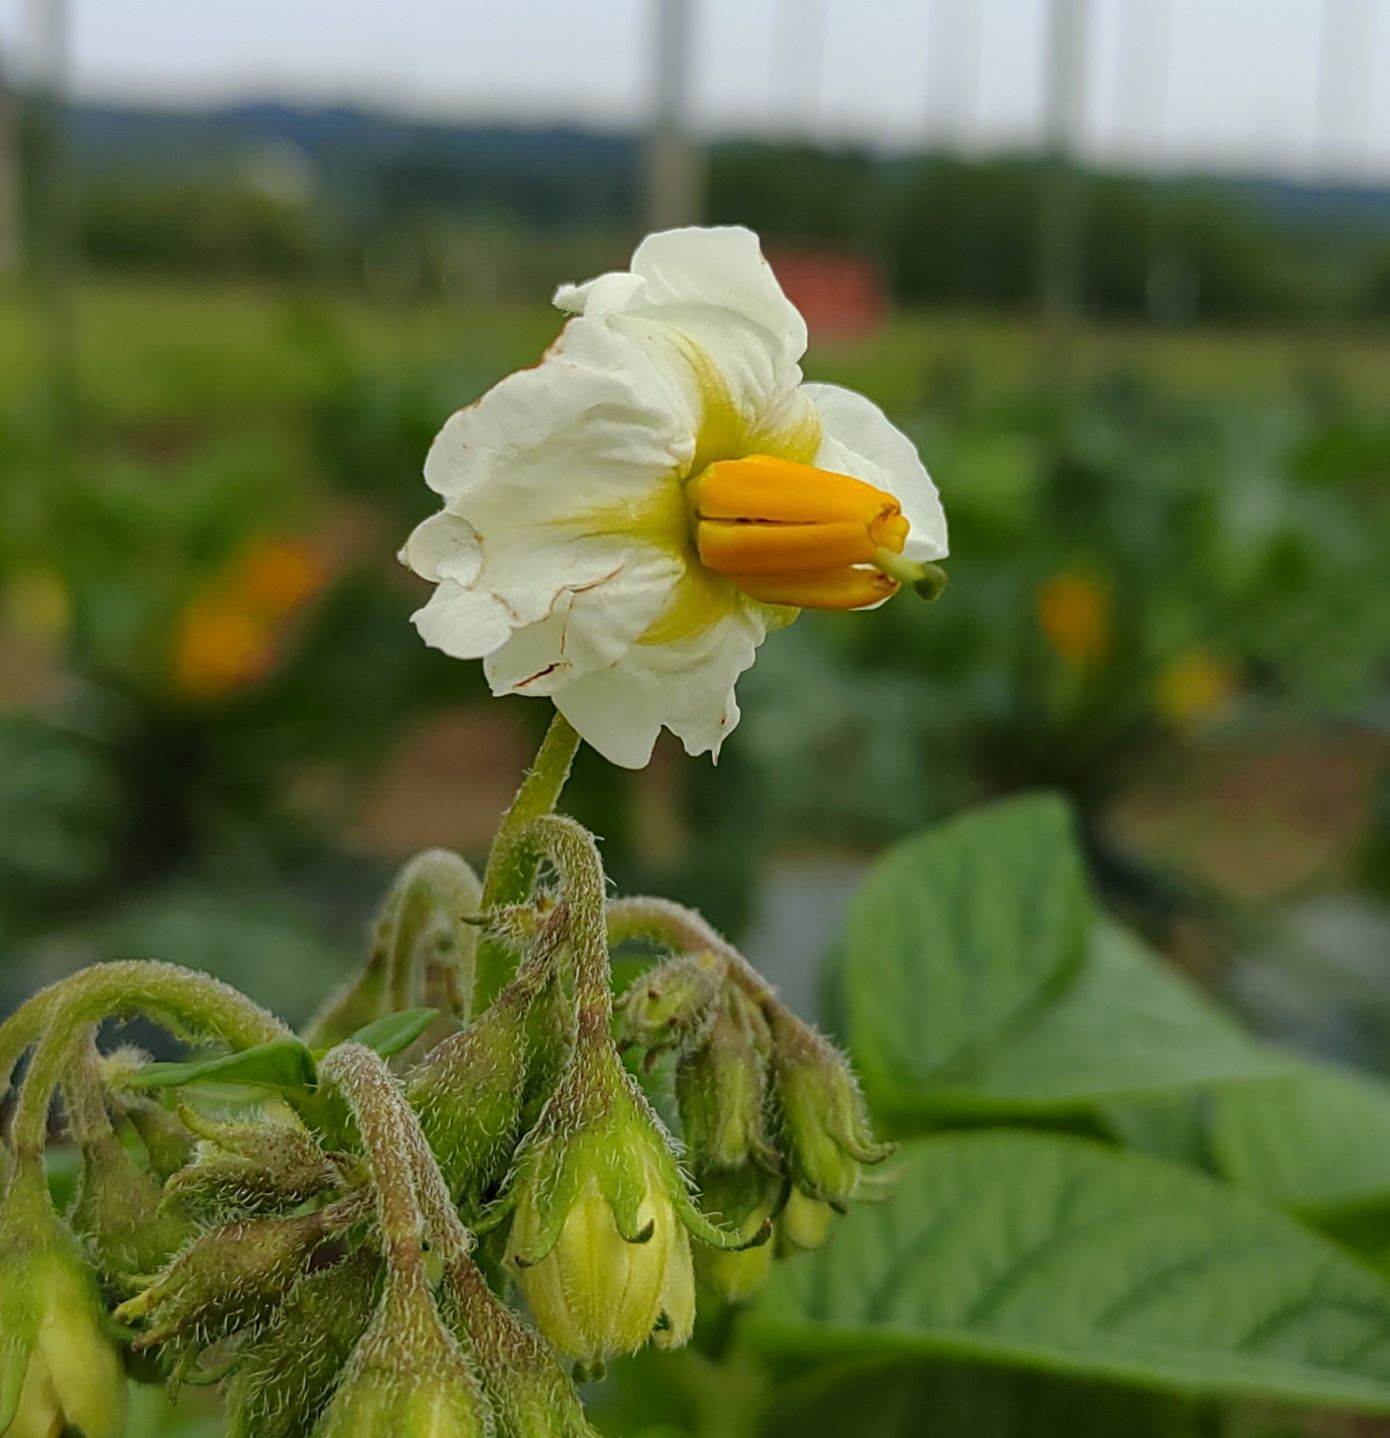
<point>1192,538</point>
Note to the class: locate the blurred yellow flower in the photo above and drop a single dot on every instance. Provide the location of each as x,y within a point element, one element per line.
<point>1074,614</point>
<point>37,604</point>
<point>1195,686</point>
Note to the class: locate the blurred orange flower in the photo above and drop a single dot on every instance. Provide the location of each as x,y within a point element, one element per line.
<point>1074,616</point>
<point>275,577</point>
<point>1195,686</point>
<point>219,648</point>
<point>227,636</point>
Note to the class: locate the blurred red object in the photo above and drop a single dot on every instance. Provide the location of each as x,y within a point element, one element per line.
<point>841,295</point>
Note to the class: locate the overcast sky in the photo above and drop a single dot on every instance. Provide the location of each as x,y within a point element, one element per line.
<point>1169,83</point>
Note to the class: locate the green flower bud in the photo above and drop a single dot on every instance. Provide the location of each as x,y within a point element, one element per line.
<point>469,1094</point>
<point>550,1035</point>
<point>407,1376</point>
<point>825,1127</point>
<point>530,1394</point>
<point>289,1373</point>
<point>721,1086</point>
<point>230,1279</point>
<point>58,1368</point>
<point>743,1200</point>
<point>168,1144</point>
<point>118,1210</point>
<point>599,1236</point>
<point>673,1006</point>
<point>244,1169</point>
<point>804,1224</point>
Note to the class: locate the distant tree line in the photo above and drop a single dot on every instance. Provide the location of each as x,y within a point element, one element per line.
<point>421,210</point>
<point>955,232</point>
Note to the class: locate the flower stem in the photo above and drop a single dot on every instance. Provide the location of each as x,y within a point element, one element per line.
<point>511,866</point>
<point>571,848</point>
<point>83,1098</point>
<point>187,1002</point>
<point>681,931</point>
<point>374,1100</point>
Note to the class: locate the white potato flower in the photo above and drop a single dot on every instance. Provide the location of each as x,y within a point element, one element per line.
<point>624,522</point>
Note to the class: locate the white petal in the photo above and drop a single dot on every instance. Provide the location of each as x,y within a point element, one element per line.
<point>444,547</point>
<point>583,428</point>
<point>724,268</point>
<point>588,629</point>
<point>686,686</point>
<point>601,296</point>
<point>857,438</point>
<point>561,479</point>
<point>705,307</point>
<point>465,623</point>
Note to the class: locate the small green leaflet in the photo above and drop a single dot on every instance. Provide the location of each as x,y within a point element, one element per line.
<point>280,1064</point>
<point>395,1032</point>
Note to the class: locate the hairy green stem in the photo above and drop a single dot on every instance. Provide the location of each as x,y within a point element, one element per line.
<point>681,931</point>
<point>374,1100</point>
<point>511,866</point>
<point>189,1003</point>
<point>571,849</point>
<point>88,1120</point>
<point>436,888</point>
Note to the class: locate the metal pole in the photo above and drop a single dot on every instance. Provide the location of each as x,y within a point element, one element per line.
<point>798,66</point>
<point>674,169</point>
<point>48,240</point>
<point>1143,78</point>
<point>953,73</point>
<point>1346,87</point>
<point>1063,216</point>
<point>10,243</point>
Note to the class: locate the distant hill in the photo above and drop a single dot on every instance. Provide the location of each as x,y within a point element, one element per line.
<point>274,188</point>
<point>335,137</point>
<point>369,158</point>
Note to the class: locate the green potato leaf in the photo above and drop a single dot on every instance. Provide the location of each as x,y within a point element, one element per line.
<point>1055,1253</point>
<point>958,938</point>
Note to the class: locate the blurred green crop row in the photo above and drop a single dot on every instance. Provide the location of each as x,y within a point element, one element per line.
<point>217,716</point>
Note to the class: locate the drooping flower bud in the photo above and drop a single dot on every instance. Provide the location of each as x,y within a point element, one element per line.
<point>804,1223</point>
<point>58,1368</point>
<point>423,948</point>
<point>550,1034</point>
<point>744,1200</point>
<point>600,1235</point>
<point>530,1394</point>
<point>407,1375</point>
<point>469,1093</point>
<point>168,1144</point>
<point>245,1169</point>
<point>825,1127</point>
<point>289,1373</point>
<point>721,1086</point>
<point>119,1211</point>
<point>230,1279</point>
<point>672,1007</point>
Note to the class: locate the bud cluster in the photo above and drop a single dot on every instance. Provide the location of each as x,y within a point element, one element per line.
<point>774,1125</point>
<point>309,1241</point>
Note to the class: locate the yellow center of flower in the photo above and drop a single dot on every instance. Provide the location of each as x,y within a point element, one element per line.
<point>788,533</point>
